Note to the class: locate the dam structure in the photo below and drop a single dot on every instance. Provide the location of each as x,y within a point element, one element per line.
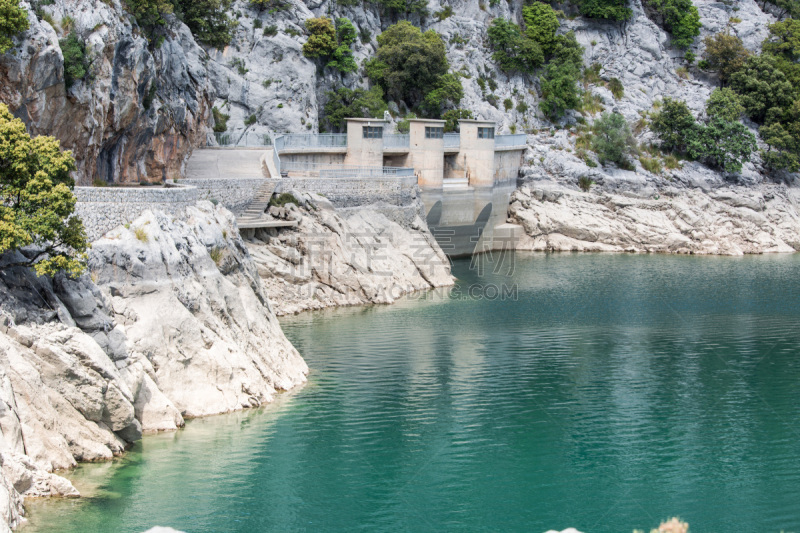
<point>464,179</point>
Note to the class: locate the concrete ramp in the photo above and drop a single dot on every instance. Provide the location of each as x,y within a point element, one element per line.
<point>208,163</point>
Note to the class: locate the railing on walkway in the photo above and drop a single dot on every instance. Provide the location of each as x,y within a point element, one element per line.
<point>504,141</point>
<point>312,141</point>
<point>452,140</point>
<point>326,170</point>
<point>248,139</point>
<point>399,140</point>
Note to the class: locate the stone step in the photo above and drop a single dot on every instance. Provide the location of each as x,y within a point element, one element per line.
<point>455,183</point>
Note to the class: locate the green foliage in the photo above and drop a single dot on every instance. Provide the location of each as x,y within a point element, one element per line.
<point>612,139</point>
<point>76,63</point>
<point>13,20</point>
<point>541,24</point>
<point>403,7</point>
<point>616,88</point>
<point>282,199</point>
<point>411,66</point>
<point>249,121</point>
<point>673,124</point>
<point>679,17</point>
<point>560,81</point>
<point>344,103</point>
<point>605,9</point>
<point>522,107</point>
<point>786,7</point>
<point>651,164</point>
<point>513,51</point>
<point>270,30</point>
<point>271,6</point>
<point>784,40</point>
<point>762,86</point>
<point>141,234</point>
<point>508,104</point>
<point>208,20</point>
<point>444,13</point>
<point>585,183</point>
<point>322,39</point>
<point>220,120</point>
<point>149,14</point>
<point>725,104</point>
<point>724,54</point>
<point>722,143</point>
<point>782,134</point>
<point>404,125</point>
<point>452,116</point>
<point>36,201</point>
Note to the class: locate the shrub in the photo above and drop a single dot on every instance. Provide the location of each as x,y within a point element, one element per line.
<point>508,104</point>
<point>322,39</point>
<point>541,24</point>
<point>271,30</point>
<point>452,117</point>
<point>651,164</point>
<point>585,183</point>
<point>605,9</point>
<point>149,14</point>
<point>560,81</point>
<point>208,20</point>
<point>671,162</point>
<point>444,13</point>
<point>679,17</point>
<point>513,51</point>
<point>522,107</point>
<point>616,88</point>
<point>612,139</point>
<point>13,20</point>
<point>723,144</point>
<point>673,124</point>
<point>76,63</point>
<point>249,121</point>
<point>403,7</point>
<point>216,255</point>
<point>36,201</point>
<point>282,199</point>
<point>783,138</point>
<point>220,120</point>
<point>762,86</point>
<point>725,104</point>
<point>724,54</point>
<point>141,234</point>
<point>344,103</point>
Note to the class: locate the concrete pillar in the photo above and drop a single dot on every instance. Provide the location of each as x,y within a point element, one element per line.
<point>426,151</point>
<point>364,147</point>
<point>478,152</point>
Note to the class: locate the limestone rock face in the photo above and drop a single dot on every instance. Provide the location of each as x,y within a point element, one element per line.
<point>345,257</point>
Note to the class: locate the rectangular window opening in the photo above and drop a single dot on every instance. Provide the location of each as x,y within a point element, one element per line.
<point>373,132</point>
<point>434,133</point>
<point>485,133</point>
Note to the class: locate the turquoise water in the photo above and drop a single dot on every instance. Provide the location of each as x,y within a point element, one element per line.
<point>612,392</point>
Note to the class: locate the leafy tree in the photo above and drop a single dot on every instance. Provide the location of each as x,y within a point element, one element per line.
<point>725,104</point>
<point>605,9</point>
<point>612,140</point>
<point>410,64</point>
<point>447,92</point>
<point>784,40</point>
<point>36,201</point>
<point>452,116</point>
<point>149,14</point>
<point>722,143</point>
<point>724,54</point>
<point>762,86</point>
<point>513,51</point>
<point>782,134</point>
<point>76,64</point>
<point>322,39</point>
<point>673,124</point>
<point>404,7</point>
<point>559,83</point>
<point>13,20</point>
<point>208,20</point>
<point>787,7</point>
<point>344,103</point>
<point>541,24</point>
<point>679,17</point>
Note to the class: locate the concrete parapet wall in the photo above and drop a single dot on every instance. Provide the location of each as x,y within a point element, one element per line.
<point>104,208</point>
<point>234,193</point>
<point>355,192</point>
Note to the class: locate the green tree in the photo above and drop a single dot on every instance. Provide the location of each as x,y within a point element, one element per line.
<point>409,64</point>
<point>513,51</point>
<point>149,14</point>
<point>76,64</point>
<point>559,84</point>
<point>783,40</point>
<point>722,143</point>
<point>447,92</point>
<point>404,7</point>
<point>344,103</point>
<point>208,20</point>
<point>13,20</point>
<point>787,7</point>
<point>541,24</point>
<point>725,104</point>
<point>762,86</point>
<point>782,134</point>
<point>605,9</point>
<point>36,201</point>
<point>342,58</point>
<point>321,41</point>
<point>452,116</point>
<point>724,54</point>
<point>673,124</point>
<point>612,140</point>
<point>679,17</point>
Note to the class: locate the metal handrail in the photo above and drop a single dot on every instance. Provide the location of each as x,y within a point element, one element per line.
<point>246,139</point>
<point>520,139</point>
<point>321,140</point>
<point>398,140</point>
<point>452,140</point>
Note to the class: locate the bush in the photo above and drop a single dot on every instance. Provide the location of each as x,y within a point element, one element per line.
<point>762,86</point>
<point>723,144</point>
<point>783,138</point>
<point>411,66</point>
<point>249,121</point>
<point>508,104</point>
<point>679,17</point>
<point>282,199</point>
<point>616,88</point>
<point>522,107</point>
<point>725,104</point>
<point>612,139</point>
<point>76,63</point>
<point>585,183</point>
<point>444,13</point>
<point>452,117</point>
<point>651,164</point>
<point>673,124</point>
<point>344,103</point>
<point>404,7</point>
<point>322,39</point>
<point>220,120</point>
<point>149,14</point>
<point>36,201</point>
<point>13,20</point>
<point>560,81</point>
<point>724,54</point>
<point>605,9</point>
<point>513,51</point>
<point>208,20</point>
<point>541,24</point>
<point>271,30</point>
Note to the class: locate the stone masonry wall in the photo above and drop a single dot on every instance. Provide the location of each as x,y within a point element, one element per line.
<point>104,208</point>
<point>234,193</point>
<point>354,192</point>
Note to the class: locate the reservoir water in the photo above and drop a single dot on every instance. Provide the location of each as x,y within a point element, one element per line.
<point>602,392</point>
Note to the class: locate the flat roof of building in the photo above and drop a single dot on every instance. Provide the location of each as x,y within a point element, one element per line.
<point>365,120</point>
<point>435,120</point>
<point>473,121</point>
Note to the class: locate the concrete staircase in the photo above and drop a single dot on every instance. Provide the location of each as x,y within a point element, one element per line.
<point>254,213</point>
<point>449,184</point>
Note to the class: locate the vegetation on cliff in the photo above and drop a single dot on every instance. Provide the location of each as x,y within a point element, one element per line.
<point>13,19</point>
<point>36,201</point>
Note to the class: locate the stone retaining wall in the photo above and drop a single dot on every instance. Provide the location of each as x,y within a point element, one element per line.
<point>104,208</point>
<point>233,193</point>
<point>354,192</point>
